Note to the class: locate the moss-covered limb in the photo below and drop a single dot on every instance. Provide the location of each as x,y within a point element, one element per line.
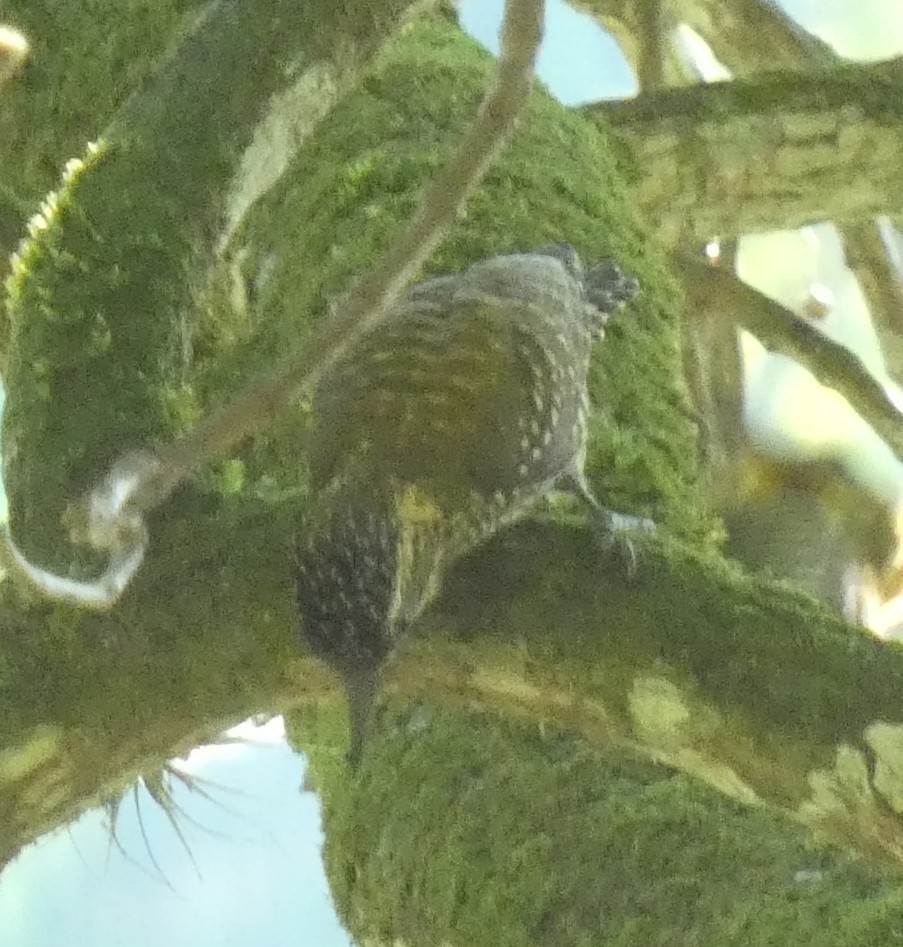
<point>751,688</point>
<point>212,611</point>
<point>84,60</point>
<point>203,639</point>
<point>470,830</point>
<point>87,59</point>
<point>751,36</point>
<point>866,255</point>
<point>99,293</point>
<point>779,150</point>
<point>745,686</point>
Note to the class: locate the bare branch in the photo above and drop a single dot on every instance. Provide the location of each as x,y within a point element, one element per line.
<point>867,256</point>
<point>690,663</point>
<point>713,289</point>
<point>777,151</point>
<point>712,367</point>
<point>748,36</point>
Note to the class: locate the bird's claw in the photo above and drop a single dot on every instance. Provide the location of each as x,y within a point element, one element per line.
<point>612,533</point>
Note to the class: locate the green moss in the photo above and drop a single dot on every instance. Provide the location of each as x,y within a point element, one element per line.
<point>874,90</point>
<point>85,59</point>
<point>542,841</point>
<point>90,356</point>
<point>212,616</point>
<point>98,304</point>
<point>687,616</point>
<point>351,188</point>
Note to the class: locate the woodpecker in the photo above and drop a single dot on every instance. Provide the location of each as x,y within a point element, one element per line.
<point>445,423</point>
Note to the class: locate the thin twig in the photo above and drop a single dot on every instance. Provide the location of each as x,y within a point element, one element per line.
<point>868,256</point>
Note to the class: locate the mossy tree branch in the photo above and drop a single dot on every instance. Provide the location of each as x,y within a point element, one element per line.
<point>742,684</point>
<point>143,215</point>
<point>752,35</point>
<point>868,256</point>
<point>77,80</point>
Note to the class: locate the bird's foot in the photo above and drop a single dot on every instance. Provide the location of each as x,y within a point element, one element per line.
<point>611,530</point>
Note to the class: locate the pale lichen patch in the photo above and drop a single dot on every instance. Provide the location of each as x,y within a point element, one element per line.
<point>678,730</point>
<point>843,801</point>
<point>292,116</point>
<point>20,762</point>
<point>886,739</point>
<point>660,714</point>
<point>717,774</point>
<point>838,791</point>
